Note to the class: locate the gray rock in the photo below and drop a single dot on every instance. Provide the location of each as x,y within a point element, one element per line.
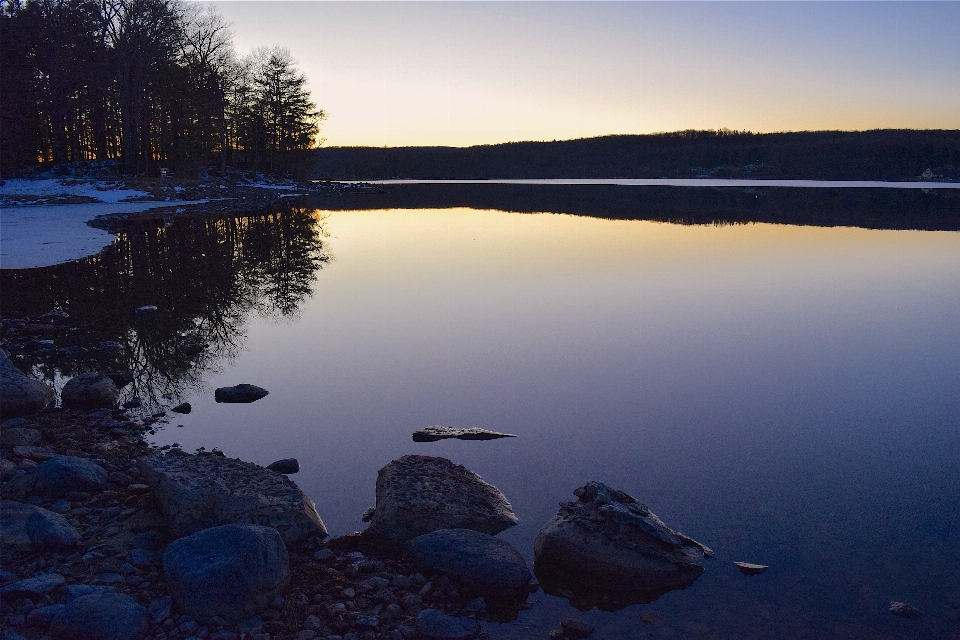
<point>38,454</point>
<point>198,492</point>
<point>19,437</point>
<point>61,474</point>
<point>49,531</point>
<point>141,557</point>
<point>90,390</point>
<point>73,591</point>
<point>419,494</point>
<point>286,466</point>
<point>26,525</point>
<point>904,610</point>
<point>160,608</point>
<point>42,616</point>
<point>232,571</point>
<point>147,308</point>
<point>35,587</point>
<point>611,551</point>
<point>486,565</point>
<point>436,432</point>
<point>241,393</point>
<point>100,616</point>
<point>439,626</point>
<point>21,395</point>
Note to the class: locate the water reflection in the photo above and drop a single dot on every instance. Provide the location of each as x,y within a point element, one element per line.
<point>853,207</point>
<point>206,276</point>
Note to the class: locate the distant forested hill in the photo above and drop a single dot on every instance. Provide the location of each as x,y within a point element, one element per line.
<point>887,154</point>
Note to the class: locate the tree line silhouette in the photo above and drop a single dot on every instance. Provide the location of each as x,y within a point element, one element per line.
<point>888,154</point>
<point>141,84</point>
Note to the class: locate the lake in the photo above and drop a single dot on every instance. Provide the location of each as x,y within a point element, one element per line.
<point>787,395</point>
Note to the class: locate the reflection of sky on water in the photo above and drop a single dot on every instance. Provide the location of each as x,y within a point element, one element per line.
<point>785,395</point>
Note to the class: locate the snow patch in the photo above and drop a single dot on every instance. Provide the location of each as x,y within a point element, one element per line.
<point>102,191</point>
<point>43,235</point>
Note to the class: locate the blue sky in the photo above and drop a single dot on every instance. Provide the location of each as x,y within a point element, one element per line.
<point>461,73</point>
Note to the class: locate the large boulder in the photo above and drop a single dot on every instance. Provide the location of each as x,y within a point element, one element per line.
<point>90,390</point>
<point>26,525</point>
<point>610,551</point>
<point>199,492</point>
<point>21,395</point>
<point>100,616</point>
<point>232,571</point>
<point>61,474</point>
<point>419,494</point>
<point>488,566</point>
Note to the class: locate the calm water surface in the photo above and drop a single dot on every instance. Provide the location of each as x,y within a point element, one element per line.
<point>785,395</point>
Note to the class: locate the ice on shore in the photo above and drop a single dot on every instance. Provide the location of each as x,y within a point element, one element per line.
<point>49,187</point>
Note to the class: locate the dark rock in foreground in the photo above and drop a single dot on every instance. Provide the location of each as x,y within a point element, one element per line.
<point>610,551</point>
<point>420,494</point>
<point>90,390</point>
<point>434,433</point>
<point>100,616</point>
<point>232,571</point>
<point>241,393</point>
<point>749,569</point>
<point>436,625</point>
<point>286,466</point>
<point>198,492</point>
<point>21,395</point>
<point>488,566</point>
<point>905,610</point>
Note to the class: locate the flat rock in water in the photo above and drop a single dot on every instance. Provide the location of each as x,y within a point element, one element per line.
<point>198,492</point>
<point>61,474</point>
<point>100,616</point>
<point>575,629</point>
<point>90,390</point>
<point>286,466</point>
<point>749,569</point>
<point>489,566</point>
<point>610,551</point>
<point>419,494</point>
<point>21,395</point>
<point>436,625</point>
<point>184,407</point>
<point>233,571</point>
<point>241,393</point>
<point>905,610</point>
<point>436,432</point>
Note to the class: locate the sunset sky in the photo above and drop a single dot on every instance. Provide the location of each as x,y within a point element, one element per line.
<point>463,73</point>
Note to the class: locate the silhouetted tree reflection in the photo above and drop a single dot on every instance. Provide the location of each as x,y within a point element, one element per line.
<point>207,276</point>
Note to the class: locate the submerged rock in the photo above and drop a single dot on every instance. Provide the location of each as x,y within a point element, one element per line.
<point>232,571</point>
<point>241,393</point>
<point>749,569</point>
<point>608,550</point>
<point>184,407</point>
<point>486,565</point>
<point>198,492</point>
<point>90,390</point>
<point>21,395</point>
<point>437,625</point>
<point>420,494</point>
<point>436,432</point>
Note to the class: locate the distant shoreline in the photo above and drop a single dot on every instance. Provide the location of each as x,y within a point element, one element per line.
<point>682,182</point>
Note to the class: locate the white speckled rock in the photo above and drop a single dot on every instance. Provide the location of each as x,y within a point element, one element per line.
<point>419,494</point>
<point>198,492</point>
